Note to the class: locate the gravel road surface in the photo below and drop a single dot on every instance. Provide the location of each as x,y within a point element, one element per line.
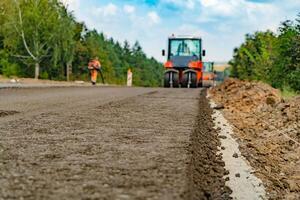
<point>108,143</point>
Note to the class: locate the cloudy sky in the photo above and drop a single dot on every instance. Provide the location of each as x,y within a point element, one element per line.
<point>221,23</point>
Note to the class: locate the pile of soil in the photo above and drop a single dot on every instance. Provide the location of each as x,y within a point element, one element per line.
<point>268,130</point>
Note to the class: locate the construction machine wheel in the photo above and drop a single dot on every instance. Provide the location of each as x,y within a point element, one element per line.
<point>200,84</point>
<point>189,80</point>
<point>167,80</point>
<point>175,80</point>
<point>171,80</point>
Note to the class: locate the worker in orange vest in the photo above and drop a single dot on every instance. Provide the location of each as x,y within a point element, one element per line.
<point>94,66</point>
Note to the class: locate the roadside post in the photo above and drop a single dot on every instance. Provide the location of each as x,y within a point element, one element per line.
<point>129,78</point>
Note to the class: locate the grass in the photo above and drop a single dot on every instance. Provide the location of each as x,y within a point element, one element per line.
<point>288,93</point>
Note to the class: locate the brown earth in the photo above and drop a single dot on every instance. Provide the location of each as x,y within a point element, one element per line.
<point>108,143</point>
<point>206,168</point>
<point>268,130</point>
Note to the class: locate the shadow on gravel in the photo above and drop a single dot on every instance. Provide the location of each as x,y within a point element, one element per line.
<point>4,113</point>
<point>206,169</point>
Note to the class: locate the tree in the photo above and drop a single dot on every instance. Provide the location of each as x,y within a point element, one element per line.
<point>271,58</point>
<point>64,45</point>
<point>287,67</point>
<point>34,27</point>
<point>252,60</point>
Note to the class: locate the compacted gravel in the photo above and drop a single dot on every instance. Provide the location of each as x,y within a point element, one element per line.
<point>108,143</point>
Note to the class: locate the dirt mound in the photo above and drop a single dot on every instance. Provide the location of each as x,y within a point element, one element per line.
<point>268,129</point>
<point>206,168</point>
<point>245,95</point>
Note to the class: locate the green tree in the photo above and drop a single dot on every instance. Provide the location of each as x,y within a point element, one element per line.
<point>32,30</point>
<point>287,67</point>
<point>271,58</point>
<point>65,42</point>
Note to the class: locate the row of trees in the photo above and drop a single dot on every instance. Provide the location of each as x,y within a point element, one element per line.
<point>41,38</point>
<point>269,57</point>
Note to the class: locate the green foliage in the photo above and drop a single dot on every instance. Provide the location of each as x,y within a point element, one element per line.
<point>253,60</point>
<point>116,59</point>
<point>44,32</point>
<point>274,59</point>
<point>44,75</point>
<point>6,67</point>
<point>288,93</point>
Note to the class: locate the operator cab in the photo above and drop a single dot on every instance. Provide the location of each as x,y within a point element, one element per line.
<point>183,50</point>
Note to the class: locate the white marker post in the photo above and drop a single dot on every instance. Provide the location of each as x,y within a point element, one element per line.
<point>129,78</point>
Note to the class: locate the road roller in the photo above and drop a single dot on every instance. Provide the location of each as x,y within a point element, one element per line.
<point>184,64</point>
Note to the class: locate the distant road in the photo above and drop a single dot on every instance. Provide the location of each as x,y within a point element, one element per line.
<point>39,85</point>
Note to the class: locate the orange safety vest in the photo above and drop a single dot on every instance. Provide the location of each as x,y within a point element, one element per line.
<point>94,64</point>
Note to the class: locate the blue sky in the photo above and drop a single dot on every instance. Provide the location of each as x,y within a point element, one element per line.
<point>221,23</point>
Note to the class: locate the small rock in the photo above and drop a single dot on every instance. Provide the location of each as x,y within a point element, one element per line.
<point>227,179</point>
<point>222,137</point>
<point>291,142</point>
<point>293,186</point>
<point>248,86</point>
<point>79,82</point>
<point>270,101</point>
<point>219,107</point>
<point>238,175</point>
<point>223,148</point>
<point>235,155</point>
<point>13,81</point>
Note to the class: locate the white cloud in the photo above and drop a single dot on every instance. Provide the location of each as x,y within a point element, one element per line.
<point>190,4</point>
<point>262,16</point>
<point>108,10</point>
<point>230,14</point>
<point>188,29</point>
<point>222,7</point>
<point>71,4</point>
<point>129,9</point>
<point>238,9</point>
<point>153,17</point>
